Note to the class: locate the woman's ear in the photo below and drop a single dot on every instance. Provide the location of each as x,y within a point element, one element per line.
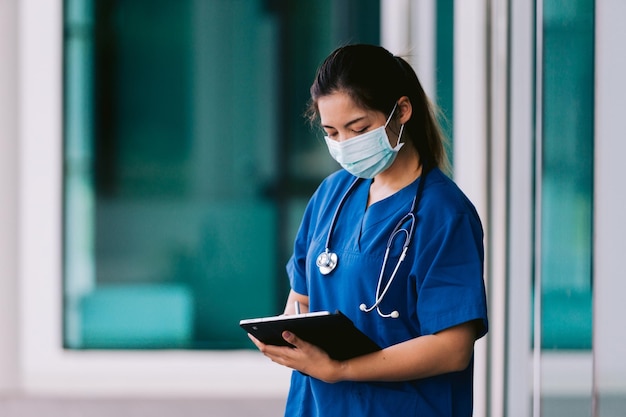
<point>404,109</point>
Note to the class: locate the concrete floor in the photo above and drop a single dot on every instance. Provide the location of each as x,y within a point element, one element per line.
<point>65,407</point>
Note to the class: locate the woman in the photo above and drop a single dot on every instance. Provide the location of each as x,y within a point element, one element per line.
<point>425,307</point>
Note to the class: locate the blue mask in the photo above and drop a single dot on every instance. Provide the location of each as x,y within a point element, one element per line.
<point>366,155</point>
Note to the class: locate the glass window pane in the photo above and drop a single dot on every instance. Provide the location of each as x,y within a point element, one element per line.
<point>566,211</point>
<point>188,162</point>
<point>445,68</point>
<point>567,174</point>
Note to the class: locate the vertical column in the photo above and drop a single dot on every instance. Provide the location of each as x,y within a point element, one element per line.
<point>395,26</point>
<point>609,339</point>
<point>408,29</point>
<point>520,229</point>
<point>470,137</point>
<point>40,187</point>
<point>497,149</point>
<point>423,28</point>
<point>537,267</point>
<point>470,100</point>
<point>9,319</point>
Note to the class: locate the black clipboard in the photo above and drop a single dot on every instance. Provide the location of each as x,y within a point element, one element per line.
<point>335,333</point>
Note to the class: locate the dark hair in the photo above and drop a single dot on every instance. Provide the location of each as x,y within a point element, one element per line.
<point>375,79</point>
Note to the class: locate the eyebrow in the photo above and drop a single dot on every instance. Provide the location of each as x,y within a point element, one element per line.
<point>350,123</point>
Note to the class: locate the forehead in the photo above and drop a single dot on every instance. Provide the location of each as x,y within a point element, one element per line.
<point>336,108</point>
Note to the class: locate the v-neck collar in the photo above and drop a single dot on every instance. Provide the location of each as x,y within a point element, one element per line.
<point>397,204</point>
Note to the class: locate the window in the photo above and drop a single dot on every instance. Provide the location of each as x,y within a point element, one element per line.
<point>188,163</point>
<point>568,74</point>
<point>566,195</point>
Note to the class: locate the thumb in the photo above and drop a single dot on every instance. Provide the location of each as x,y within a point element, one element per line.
<point>290,337</point>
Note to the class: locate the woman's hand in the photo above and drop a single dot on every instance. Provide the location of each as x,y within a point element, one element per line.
<point>303,357</point>
<point>447,351</point>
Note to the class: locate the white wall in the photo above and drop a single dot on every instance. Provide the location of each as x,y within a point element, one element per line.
<point>8,196</point>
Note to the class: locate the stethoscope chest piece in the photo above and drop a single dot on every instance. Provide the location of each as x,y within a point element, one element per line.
<point>326,262</point>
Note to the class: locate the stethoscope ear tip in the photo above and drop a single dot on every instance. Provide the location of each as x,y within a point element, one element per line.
<point>395,314</point>
<point>363,307</point>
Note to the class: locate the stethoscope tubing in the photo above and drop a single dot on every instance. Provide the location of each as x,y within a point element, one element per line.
<point>337,210</point>
<point>328,266</point>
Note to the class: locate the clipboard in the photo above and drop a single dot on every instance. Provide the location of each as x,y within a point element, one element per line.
<point>334,332</point>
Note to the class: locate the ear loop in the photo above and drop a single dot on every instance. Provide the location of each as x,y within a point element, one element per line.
<point>398,143</point>
<point>400,136</point>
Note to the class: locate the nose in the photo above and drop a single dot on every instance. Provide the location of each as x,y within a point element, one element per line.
<point>344,136</point>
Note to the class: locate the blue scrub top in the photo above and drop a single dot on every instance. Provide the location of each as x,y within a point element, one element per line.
<point>439,285</point>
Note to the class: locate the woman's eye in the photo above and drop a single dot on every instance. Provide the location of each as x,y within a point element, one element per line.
<point>360,130</point>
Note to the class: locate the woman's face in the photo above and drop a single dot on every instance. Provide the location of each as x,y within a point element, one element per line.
<point>343,119</point>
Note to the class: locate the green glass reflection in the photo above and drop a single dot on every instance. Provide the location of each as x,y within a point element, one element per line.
<point>567,173</point>
<point>188,162</point>
<point>445,68</point>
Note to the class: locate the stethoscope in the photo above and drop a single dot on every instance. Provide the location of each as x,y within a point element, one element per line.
<point>327,260</point>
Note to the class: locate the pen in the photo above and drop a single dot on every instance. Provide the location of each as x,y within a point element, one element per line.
<point>297,305</point>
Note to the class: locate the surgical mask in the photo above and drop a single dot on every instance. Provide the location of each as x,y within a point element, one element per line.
<point>366,155</point>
